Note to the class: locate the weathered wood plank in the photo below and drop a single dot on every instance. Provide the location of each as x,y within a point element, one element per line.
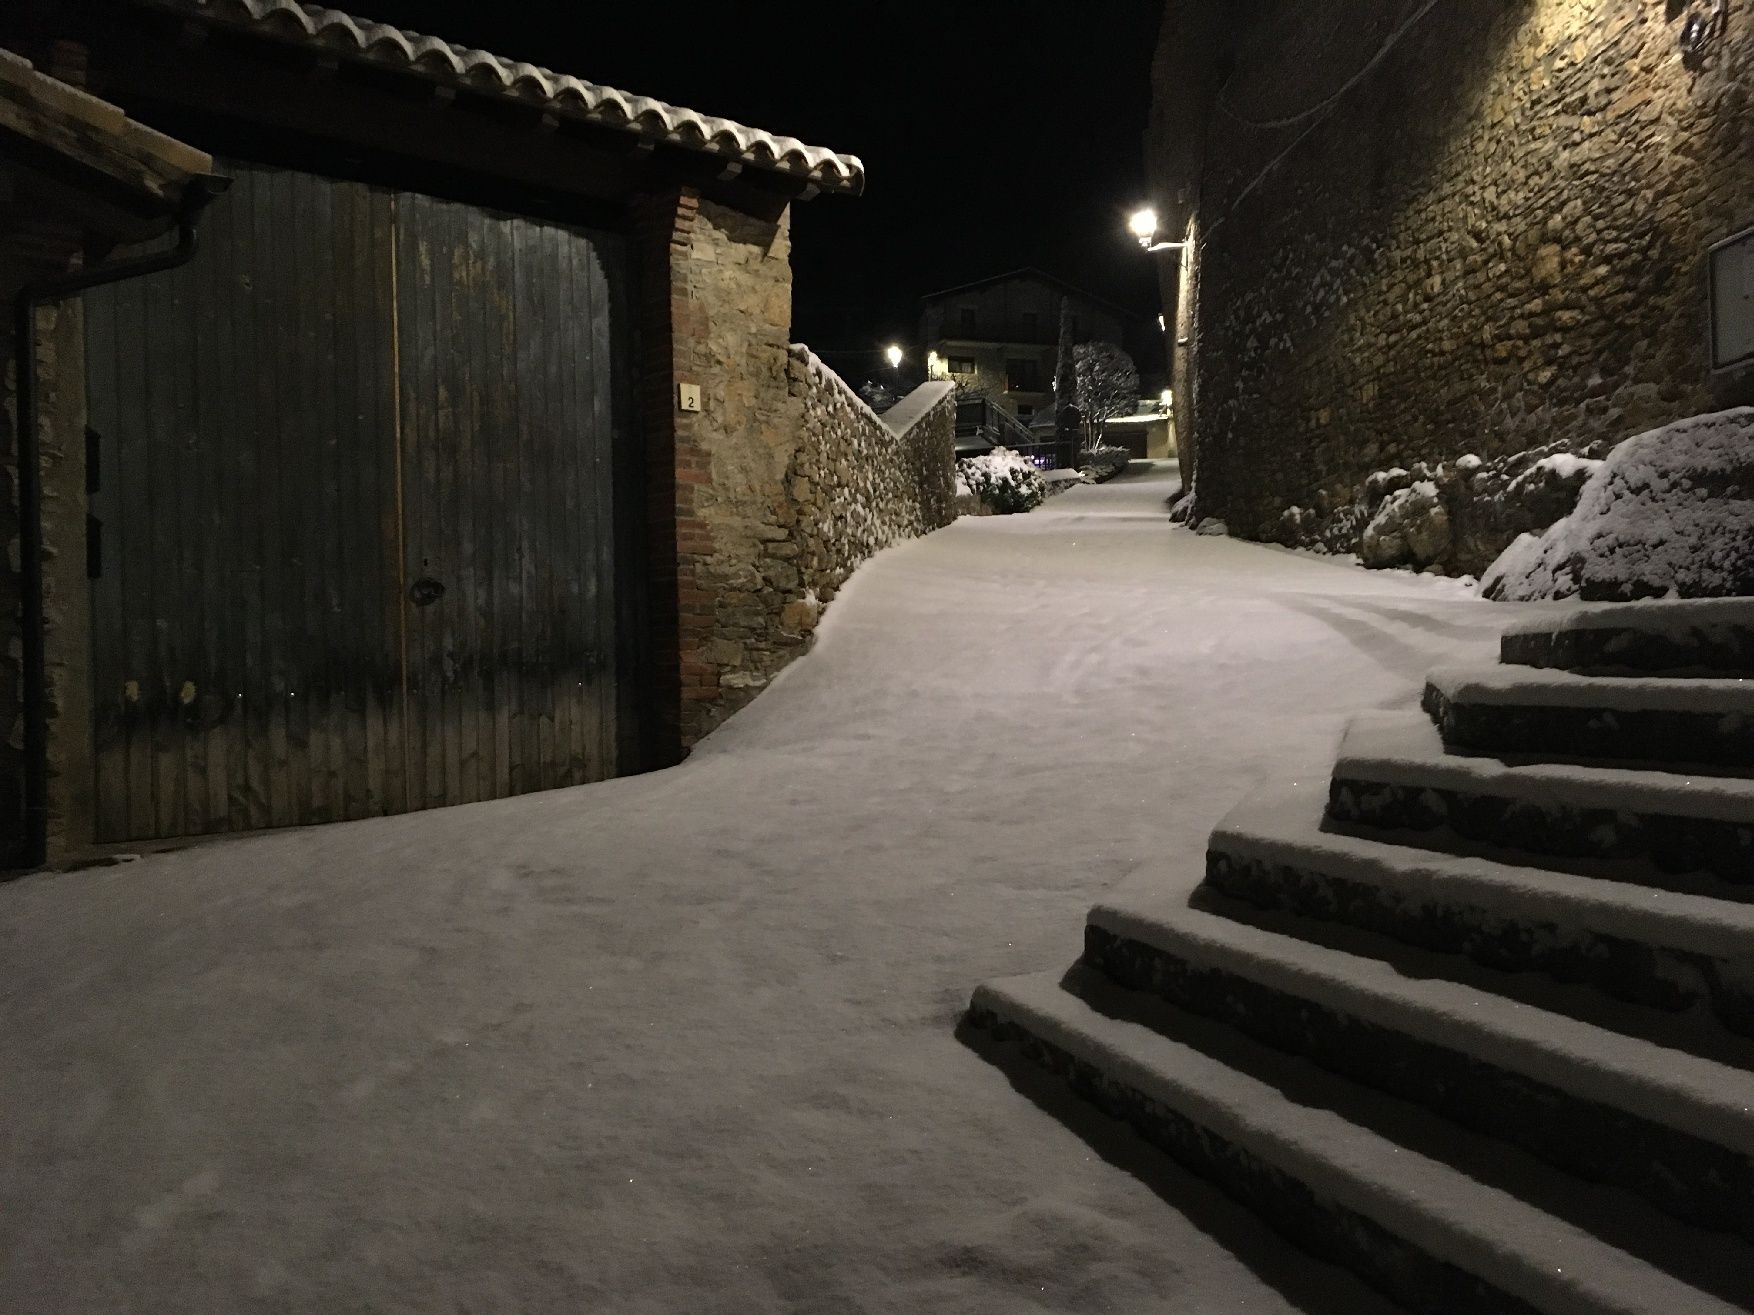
<point>211,518</point>
<point>392,554</point>
<point>526,750</point>
<point>316,241</point>
<point>257,477</point>
<point>464,643</point>
<point>108,706</point>
<point>578,386</point>
<point>498,472</point>
<point>600,476</point>
<point>134,469</point>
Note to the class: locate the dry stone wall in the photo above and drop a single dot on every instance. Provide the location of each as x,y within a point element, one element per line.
<point>860,481</point>
<point>785,480</point>
<point>1492,242</point>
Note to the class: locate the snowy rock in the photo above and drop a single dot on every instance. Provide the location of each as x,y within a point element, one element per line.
<point>1411,527</point>
<point>1212,526</point>
<point>1669,513</point>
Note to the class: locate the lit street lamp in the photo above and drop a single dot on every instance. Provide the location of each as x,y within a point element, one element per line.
<point>1143,225</point>
<point>892,354</point>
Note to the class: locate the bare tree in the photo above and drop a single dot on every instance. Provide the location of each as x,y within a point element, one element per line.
<point>1066,386</point>
<point>1108,386</point>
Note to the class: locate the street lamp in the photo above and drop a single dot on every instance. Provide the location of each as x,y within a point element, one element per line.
<point>1143,225</point>
<point>892,354</point>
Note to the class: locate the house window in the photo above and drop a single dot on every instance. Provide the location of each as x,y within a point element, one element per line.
<point>1023,376</point>
<point>966,316</point>
<point>1024,411</point>
<point>962,365</point>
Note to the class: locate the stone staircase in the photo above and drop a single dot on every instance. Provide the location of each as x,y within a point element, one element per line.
<point>1474,1019</point>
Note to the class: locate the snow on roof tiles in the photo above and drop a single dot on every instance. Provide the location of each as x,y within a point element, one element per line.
<point>571,97</point>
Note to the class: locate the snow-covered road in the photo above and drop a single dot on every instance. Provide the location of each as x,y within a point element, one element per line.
<point>684,1043</point>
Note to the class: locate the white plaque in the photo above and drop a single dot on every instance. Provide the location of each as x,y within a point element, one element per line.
<point>1732,302</point>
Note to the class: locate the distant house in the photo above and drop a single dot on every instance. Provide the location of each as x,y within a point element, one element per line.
<point>1148,433</point>
<point>1000,334</point>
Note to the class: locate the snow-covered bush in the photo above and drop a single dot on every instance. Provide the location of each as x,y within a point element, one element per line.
<point>1004,480</point>
<point>1103,462</point>
<point>1670,512</point>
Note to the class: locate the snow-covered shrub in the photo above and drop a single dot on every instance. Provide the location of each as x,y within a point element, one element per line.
<point>1004,480</point>
<point>1670,512</point>
<point>1103,462</point>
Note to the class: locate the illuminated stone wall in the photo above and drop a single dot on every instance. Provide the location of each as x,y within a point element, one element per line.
<point>1488,239</point>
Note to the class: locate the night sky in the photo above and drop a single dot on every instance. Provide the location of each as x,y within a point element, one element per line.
<point>994,134</point>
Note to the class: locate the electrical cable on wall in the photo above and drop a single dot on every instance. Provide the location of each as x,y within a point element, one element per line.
<point>1318,114</point>
<point>1389,43</point>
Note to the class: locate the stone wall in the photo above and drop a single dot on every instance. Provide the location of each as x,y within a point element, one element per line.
<point>12,828</point>
<point>29,252</point>
<point>792,517</point>
<point>1476,228</point>
<point>784,481</point>
<point>861,482</point>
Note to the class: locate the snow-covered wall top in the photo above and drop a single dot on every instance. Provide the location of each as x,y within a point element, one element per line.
<point>913,408</point>
<point>863,481</point>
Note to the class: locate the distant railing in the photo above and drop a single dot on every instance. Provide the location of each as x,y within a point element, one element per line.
<point>980,416</point>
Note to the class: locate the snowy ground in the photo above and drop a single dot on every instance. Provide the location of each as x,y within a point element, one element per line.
<point>683,1043</point>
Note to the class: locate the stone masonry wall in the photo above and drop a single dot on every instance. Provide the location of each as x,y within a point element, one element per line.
<point>29,252</point>
<point>860,482</point>
<point>1493,241</point>
<point>784,481</point>
<point>11,639</point>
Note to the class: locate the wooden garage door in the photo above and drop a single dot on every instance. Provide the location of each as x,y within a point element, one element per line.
<point>358,541</point>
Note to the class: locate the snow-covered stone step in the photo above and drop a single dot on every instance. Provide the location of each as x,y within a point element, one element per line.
<point>1525,711</point>
<point>1675,1127</point>
<point>1663,636</point>
<point>1394,774</point>
<point>1433,1238</point>
<point>1666,949</point>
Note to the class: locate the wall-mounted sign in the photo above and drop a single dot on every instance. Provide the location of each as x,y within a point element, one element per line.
<point>1732,302</point>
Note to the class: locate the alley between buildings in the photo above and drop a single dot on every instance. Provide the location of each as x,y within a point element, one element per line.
<point>685,1042</point>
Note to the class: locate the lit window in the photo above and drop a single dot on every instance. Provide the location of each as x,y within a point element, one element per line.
<point>962,365</point>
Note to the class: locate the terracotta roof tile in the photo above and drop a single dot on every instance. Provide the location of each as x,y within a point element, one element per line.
<point>561,94</point>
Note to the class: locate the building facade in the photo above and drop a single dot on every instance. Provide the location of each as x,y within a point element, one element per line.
<point>467,455</point>
<point>1000,336</point>
<point>1420,233</point>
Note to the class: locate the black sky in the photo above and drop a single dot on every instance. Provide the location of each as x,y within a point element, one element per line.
<point>994,134</point>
